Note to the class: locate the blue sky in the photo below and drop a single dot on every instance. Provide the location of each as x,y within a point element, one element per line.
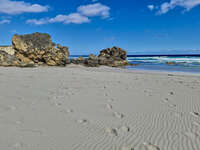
<point>87,26</point>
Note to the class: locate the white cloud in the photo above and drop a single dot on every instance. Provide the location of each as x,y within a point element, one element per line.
<point>58,18</point>
<point>75,18</point>
<point>96,9</point>
<point>37,22</point>
<point>82,15</point>
<point>151,7</point>
<point>186,4</point>
<point>5,21</point>
<point>18,7</point>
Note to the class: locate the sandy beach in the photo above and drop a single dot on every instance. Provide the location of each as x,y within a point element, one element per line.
<point>79,108</point>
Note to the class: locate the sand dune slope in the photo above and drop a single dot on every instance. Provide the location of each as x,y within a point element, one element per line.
<point>77,108</point>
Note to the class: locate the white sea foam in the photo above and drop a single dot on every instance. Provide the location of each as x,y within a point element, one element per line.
<point>195,60</point>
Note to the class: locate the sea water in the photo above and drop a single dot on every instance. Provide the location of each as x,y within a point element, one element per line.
<point>160,63</point>
<point>179,63</point>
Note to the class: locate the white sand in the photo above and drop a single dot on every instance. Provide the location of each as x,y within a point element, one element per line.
<point>77,108</point>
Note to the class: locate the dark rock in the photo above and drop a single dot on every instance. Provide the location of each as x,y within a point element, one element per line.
<point>113,57</point>
<point>28,42</point>
<point>92,57</point>
<point>92,61</point>
<point>116,53</point>
<point>170,63</point>
<point>79,60</point>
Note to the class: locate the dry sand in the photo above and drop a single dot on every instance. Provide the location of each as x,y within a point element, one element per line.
<point>78,108</point>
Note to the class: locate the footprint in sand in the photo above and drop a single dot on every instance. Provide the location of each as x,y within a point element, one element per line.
<point>118,115</point>
<point>178,114</point>
<point>127,148</point>
<point>109,106</point>
<point>58,103</point>
<point>172,105</point>
<point>191,135</point>
<point>111,131</point>
<point>82,121</point>
<point>19,122</point>
<point>124,129</point>
<point>40,132</point>
<point>111,100</point>
<point>8,108</point>
<point>67,111</point>
<point>195,114</point>
<point>12,108</point>
<point>18,145</point>
<point>166,100</point>
<point>149,146</point>
<point>105,94</point>
<point>196,124</point>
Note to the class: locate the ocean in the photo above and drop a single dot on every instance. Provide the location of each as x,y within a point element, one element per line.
<point>177,63</point>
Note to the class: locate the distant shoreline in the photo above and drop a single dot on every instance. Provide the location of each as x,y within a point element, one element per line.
<point>5,46</point>
<point>146,55</point>
<point>138,55</point>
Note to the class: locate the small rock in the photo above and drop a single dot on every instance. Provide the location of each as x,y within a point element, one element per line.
<point>196,114</point>
<point>170,63</point>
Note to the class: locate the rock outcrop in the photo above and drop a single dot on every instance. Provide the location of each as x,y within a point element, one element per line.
<point>38,48</point>
<point>32,50</point>
<point>113,57</point>
<point>7,49</point>
<point>8,60</point>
